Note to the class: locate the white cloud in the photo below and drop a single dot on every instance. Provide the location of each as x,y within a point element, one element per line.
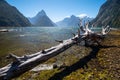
<point>67,16</point>
<point>82,15</point>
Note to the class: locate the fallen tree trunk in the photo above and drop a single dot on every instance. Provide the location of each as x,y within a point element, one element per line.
<point>22,64</point>
<point>4,30</point>
<point>25,63</point>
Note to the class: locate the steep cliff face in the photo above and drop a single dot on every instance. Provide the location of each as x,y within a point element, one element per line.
<point>41,19</point>
<point>109,14</point>
<point>10,16</point>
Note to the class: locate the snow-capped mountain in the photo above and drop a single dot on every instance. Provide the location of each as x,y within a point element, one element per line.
<point>73,20</point>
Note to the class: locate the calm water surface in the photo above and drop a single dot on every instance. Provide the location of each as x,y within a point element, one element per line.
<point>27,40</point>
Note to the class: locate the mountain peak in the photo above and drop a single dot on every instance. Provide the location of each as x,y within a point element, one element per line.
<point>72,21</point>
<point>42,13</point>
<point>73,16</point>
<point>41,19</point>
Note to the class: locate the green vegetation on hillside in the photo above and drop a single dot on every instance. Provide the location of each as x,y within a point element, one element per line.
<point>109,14</point>
<point>10,16</point>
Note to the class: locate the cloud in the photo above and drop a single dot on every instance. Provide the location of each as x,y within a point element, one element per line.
<point>67,16</point>
<point>82,15</point>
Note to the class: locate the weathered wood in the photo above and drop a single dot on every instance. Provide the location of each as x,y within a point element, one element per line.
<point>23,64</point>
<point>27,62</point>
<point>60,41</point>
<point>4,30</point>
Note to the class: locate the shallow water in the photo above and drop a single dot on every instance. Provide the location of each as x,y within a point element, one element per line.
<point>27,40</point>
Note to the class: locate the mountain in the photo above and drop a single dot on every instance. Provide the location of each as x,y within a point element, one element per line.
<point>72,21</point>
<point>109,14</point>
<point>10,16</point>
<point>41,19</point>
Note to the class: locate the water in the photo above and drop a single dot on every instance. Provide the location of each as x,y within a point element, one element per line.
<point>36,34</point>
<point>28,40</point>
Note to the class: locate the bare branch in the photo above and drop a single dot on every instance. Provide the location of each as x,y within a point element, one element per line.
<point>78,32</point>
<point>82,29</point>
<point>105,30</point>
<point>92,26</point>
<point>87,29</point>
<point>13,57</point>
<point>60,41</point>
<point>73,34</point>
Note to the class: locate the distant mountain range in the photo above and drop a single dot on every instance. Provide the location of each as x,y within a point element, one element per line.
<point>41,19</point>
<point>109,14</point>
<point>10,16</point>
<point>72,21</point>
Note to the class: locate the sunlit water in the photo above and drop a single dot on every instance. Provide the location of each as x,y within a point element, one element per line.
<point>27,40</point>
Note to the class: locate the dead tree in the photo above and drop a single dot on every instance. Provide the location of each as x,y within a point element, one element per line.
<point>25,63</point>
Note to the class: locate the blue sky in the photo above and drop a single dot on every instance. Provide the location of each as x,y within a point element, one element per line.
<point>58,9</point>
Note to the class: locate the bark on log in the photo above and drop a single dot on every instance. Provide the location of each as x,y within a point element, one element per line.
<point>25,63</point>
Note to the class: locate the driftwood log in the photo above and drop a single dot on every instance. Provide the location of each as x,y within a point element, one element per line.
<point>25,63</point>
<point>4,30</point>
